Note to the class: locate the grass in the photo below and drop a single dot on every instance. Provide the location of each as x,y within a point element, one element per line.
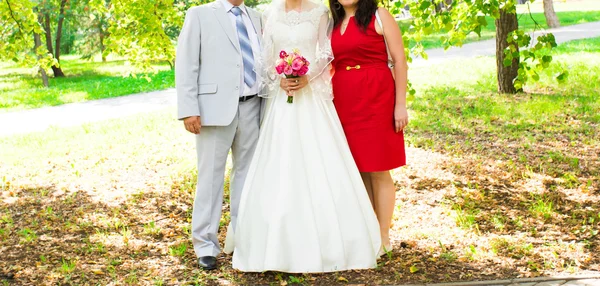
<point>21,88</point>
<point>561,5</point>
<point>469,103</point>
<point>497,186</point>
<point>151,229</point>
<point>527,22</point>
<point>542,208</point>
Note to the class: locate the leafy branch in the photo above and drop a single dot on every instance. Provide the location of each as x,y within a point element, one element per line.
<point>12,15</point>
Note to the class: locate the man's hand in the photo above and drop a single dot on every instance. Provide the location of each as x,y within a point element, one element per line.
<point>192,124</point>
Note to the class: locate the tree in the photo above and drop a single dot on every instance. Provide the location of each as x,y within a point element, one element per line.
<point>53,10</point>
<point>135,30</point>
<point>24,21</point>
<point>20,38</point>
<point>517,60</point>
<point>94,17</point>
<point>551,18</point>
<point>506,69</point>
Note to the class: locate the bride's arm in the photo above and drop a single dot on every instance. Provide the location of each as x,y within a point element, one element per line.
<point>323,55</point>
<point>270,80</point>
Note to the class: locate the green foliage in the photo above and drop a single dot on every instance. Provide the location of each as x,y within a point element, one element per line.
<point>142,32</point>
<point>137,31</point>
<point>19,23</point>
<point>532,60</point>
<point>93,20</point>
<point>454,21</point>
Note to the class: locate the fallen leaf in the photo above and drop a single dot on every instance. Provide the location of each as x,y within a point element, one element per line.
<point>342,279</point>
<point>414,269</point>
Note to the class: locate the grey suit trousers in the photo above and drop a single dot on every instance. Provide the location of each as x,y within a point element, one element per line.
<point>213,145</point>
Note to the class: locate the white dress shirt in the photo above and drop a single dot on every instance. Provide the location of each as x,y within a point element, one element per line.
<point>252,34</point>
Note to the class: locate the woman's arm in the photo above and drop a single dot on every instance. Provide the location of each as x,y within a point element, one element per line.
<point>393,37</point>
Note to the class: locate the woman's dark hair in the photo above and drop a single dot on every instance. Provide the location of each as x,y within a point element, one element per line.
<point>364,12</point>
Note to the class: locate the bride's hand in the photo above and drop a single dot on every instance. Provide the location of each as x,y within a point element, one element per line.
<point>297,83</point>
<point>283,83</point>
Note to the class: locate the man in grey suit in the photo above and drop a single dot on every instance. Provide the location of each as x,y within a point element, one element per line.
<point>217,87</point>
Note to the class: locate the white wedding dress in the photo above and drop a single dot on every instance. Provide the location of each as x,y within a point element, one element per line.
<point>304,207</point>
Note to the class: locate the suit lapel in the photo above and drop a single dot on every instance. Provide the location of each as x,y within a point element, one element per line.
<point>255,18</point>
<point>225,22</point>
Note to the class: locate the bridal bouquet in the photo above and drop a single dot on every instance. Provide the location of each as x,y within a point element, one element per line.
<point>291,65</point>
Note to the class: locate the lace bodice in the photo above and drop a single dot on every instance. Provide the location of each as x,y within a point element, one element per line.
<point>308,31</point>
<point>298,30</point>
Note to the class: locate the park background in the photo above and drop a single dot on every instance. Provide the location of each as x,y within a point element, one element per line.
<point>503,175</point>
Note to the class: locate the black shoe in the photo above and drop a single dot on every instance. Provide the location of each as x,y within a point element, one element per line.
<point>207,262</point>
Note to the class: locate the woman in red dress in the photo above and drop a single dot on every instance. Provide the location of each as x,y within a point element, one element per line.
<point>371,104</point>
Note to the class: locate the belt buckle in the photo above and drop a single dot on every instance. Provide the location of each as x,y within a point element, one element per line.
<point>352,67</point>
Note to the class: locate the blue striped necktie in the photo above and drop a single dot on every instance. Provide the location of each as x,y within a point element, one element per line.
<point>245,46</point>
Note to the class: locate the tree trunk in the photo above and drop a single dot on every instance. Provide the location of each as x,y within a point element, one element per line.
<point>48,31</point>
<point>61,18</point>
<point>551,18</point>
<point>506,24</point>
<point>38,43</point>
<point>101,34</point>
<point>448,4</point>
<point>102,47</point>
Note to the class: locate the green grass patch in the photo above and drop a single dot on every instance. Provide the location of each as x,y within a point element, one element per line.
<point>528,22</point>
<point>21,88</point>
<point>545,130</point>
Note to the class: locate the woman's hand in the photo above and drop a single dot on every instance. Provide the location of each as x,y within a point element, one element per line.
<point>297,83</point>
<point>292,84</point>
<point>400,118</point>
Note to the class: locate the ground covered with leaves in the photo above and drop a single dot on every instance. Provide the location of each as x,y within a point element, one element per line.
<point>497,186</point>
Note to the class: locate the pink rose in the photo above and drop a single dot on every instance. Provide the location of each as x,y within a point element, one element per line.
<point>282,55</point>
<point>303,70</point>
<point>288,70</point>
<point>297,64</point>
<point>279,69</point>
<point>280,66</point>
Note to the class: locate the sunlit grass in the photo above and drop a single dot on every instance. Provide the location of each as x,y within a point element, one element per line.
<point>528,22</point>
<point>451,105</point>
<point>21,88</point>
<point>561,6</point>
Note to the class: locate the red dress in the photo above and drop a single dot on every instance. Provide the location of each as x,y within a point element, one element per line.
<point>364,97</point>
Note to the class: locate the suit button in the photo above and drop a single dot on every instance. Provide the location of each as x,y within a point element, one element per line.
<point>237,87</point>
<point>238,65</point>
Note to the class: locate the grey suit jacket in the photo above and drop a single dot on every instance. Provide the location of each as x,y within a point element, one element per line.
<point>208,65</point>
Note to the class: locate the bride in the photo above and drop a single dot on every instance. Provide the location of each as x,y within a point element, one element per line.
<point>304,207</point>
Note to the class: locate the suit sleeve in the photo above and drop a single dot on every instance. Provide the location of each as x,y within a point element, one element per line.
<point>187,66</point>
